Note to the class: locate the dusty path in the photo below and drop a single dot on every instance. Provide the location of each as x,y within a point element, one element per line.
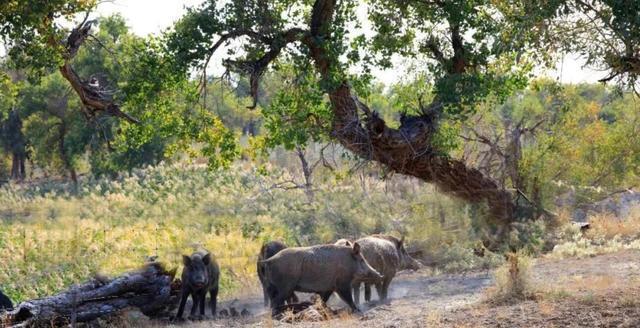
<point>601,291</point>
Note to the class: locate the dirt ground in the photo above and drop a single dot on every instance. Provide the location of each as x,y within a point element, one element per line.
<point>601,291</point>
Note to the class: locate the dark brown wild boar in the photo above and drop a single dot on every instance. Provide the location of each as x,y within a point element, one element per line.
<point>200,275</point>
<point>5,303</point>
<point>267,251</point>
<point>320,269</point>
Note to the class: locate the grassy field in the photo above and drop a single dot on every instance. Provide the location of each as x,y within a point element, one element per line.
<point>51,237</point>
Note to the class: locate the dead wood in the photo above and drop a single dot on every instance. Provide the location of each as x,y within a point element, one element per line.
<point>150,289</point>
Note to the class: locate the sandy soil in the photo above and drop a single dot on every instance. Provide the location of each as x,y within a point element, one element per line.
<point>601,291</point>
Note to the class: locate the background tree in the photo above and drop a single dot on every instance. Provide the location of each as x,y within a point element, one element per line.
<point>13,141</point>
<point>113,72</point>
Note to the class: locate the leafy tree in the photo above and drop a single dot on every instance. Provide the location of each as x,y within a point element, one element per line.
<point>55,128</point>
<point>469,51</point>
<point>316,37</point>
<point>13,140</point>
<point>606,33</point>
<point>114,73</point>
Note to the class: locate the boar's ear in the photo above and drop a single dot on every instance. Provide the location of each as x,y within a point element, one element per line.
<point>349,243</point>
<point>206,259</point>
<point>356,248</point>
<point>186,260</point>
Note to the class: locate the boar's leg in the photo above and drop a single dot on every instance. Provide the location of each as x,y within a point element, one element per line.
<point>214,300</point>
<point>278,296</point>
<point>380,290</point>
<point>325,296</point>
<point>293,299</point>
<point>183,301</point>
<point>263,282</point>
<point>385,289</point>
<point>202,300</point>
<point>195,297</point>
<point>356,292</point>
<point>265,295</point>
<point>344,292</point>
<point>367,292</point>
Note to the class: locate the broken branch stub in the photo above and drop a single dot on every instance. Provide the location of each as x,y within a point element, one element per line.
<point>93,98</point>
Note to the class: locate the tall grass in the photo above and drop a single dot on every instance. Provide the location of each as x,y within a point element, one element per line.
<point>51,237</point>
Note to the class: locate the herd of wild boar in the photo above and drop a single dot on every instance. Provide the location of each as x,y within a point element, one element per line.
<point>322,269</point>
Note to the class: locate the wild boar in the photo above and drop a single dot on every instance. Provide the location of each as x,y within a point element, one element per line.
<point>200,275</point>
<point>5,302</point>
<point>344,242</point>
<point>406,261</point>
<point>320,269</point>
<point>387,255</point>
<point>267,251</point>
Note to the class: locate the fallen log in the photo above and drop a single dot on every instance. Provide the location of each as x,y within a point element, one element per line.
<point>150,289</point>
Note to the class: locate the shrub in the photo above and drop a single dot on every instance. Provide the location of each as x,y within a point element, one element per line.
<point>513,281</point>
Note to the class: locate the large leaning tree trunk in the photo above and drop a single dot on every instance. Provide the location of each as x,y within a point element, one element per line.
<point>150,289</point>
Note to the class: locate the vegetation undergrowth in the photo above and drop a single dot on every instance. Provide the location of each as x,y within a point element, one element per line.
<point>513,280</point>
<point>606,234</point>
<point>52,237</point>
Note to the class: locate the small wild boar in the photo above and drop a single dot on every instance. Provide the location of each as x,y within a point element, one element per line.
<point>267,251</point>
<point>5,303</point>
<point>200,275</point>
<point>320,269</point>
<point>387,255</point>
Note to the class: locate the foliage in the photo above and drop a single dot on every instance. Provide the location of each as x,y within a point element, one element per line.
<point>298,113</point>
<point>464,69</point>
<point>29,30</point>
<point>606,33</point>
<point>565,135</point>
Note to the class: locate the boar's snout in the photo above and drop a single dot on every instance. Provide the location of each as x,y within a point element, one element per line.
<point>367,273</point>
<point>413,265</point>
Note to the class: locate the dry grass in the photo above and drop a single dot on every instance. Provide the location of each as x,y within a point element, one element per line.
<point>608,226</point>
<point>434,319</point>
<point>606,234</point>
<point>318,312</point>
<point>513,280</point>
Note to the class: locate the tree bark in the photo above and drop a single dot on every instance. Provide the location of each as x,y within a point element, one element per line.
<point>16,145</point>
<point>149,289</point>
<point>18,166</point>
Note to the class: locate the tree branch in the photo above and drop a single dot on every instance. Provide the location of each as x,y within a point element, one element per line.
<point>94,99</point>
